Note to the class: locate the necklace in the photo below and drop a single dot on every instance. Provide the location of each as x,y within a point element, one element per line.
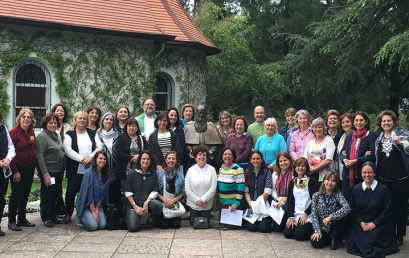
<point>269,142</point>
<point>327,199</point>
<point>162,135</point>
<point>387,146</point>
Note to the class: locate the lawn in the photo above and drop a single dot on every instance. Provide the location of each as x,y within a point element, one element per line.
<point>37,186</point>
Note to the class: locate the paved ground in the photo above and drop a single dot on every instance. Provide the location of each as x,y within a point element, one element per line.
<point>73,241</point>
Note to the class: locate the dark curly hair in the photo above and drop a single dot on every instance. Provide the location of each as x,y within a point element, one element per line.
<point>47,118</point>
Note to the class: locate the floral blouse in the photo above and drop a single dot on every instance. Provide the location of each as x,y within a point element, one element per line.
<point>99,190</point>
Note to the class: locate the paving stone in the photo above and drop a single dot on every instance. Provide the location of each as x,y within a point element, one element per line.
<point>247,252</point>
<point>97,239</point>
<point>143,248</point>
<point>190,233</point>
<point>292,245</point>
<point>98,233</point>
<point>5,244</point>
<point>155,233</point>
<point>139,255</point>
<point>243,235</point>
<point>82,254</point>
<point>30,254</point>
<point>196,242</point>
<point>248,244</point>
<point>33,246</point>
<point>303,254</point>
<point>200,250</point>
<point>96,248</point>
<point>47,238</point>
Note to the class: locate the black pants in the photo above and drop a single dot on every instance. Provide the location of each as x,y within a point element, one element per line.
<point>336,231</point>
<point>133,220</point>
<point>3,190</point>
<point>165,223</point>
<point>49,196</point>
<point>399,191</point>
<point>196,214</point>
<point>19,194</point>
<point>73,187</point>
<point>299,232</point>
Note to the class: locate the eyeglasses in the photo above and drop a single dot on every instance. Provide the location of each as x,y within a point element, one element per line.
<point>26,117</point>
<point>369,173</point>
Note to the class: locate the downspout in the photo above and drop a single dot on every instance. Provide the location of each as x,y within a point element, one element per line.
<point>161,50</point>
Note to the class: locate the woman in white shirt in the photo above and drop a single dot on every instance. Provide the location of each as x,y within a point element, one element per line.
<point>80,146</point>
<point>200,185</point>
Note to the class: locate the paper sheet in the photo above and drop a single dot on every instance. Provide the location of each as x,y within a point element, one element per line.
<point>250,217</point>
<point>232,218</point>
<point>276,214</point>
<point>53,180</point>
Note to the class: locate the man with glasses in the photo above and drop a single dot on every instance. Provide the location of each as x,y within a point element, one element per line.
<point>146,120</point>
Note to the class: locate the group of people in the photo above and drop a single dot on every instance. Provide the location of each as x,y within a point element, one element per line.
<point>332,177</point>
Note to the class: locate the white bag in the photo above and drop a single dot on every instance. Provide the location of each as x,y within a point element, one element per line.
<point>177,210</point>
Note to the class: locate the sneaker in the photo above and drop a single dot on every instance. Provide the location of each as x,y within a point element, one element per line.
<point>78,222</point>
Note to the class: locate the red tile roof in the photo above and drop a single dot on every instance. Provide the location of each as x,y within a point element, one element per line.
<point>158,20</point>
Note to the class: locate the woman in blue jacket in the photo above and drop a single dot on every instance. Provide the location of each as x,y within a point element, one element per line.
<point>92,194</point>
<point>354,152</point>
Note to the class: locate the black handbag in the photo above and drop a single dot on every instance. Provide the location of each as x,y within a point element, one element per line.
<point>116,218</point>
<point>201,223</point>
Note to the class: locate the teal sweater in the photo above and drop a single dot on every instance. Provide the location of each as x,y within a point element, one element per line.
<point>231,183</point>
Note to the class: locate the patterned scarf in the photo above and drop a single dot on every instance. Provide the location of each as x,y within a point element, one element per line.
<point>303,182</point>
<point>354,154</point>
<point>170,177</point>
<point>283,180</point>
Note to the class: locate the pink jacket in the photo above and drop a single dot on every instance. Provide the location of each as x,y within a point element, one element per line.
<point>298,143</point>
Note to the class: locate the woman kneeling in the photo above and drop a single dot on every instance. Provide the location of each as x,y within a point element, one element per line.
<point>92,193</point>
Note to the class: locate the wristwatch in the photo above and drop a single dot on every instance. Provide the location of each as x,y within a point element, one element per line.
<point>133,204</point>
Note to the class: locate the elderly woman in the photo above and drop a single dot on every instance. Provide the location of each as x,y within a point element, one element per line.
<point>332,121</point>
<point>392,155</point>
<point>22,166</point>
<point>92,193</point>
<point>258,183</point>
<point>230,181</point>
<point>122,115</point>
<point>373,233</point>
<point>94,114</point>
<point>200,185</point>
<point>301,137</point>
<point>320,151</point>
<point>61,112</point>
<point>346,125</point>
<point>329,208</point>
<point>287,130</point>
<point>225,126</point>
<point>300,192</point>
<point>7,153</point>
<point>80,145</point>
<point>353,153</point>
<point>281,179</point>
<point>174,184</point>
<point>241,142</point>
<point>271,143</point>
<point>163,140</point>
<point>141,189</point>
<point>127,149</point>
<point>50,158</point>
<point>188,114</point>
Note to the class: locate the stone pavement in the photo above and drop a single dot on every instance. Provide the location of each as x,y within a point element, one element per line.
<point>73,241</point>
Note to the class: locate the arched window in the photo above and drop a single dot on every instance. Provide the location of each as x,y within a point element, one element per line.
<point>163,94</point>
<point>32,89</point>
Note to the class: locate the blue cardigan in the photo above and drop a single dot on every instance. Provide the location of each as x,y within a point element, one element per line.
<point>283,132</point>
<point>367,144</point>
<point>179,183</point>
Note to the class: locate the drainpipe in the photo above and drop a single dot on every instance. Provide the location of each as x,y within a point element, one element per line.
<point>161,50</point>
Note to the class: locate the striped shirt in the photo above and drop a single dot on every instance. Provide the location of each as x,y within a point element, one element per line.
<point>231,183</point>
<point>165,143</point>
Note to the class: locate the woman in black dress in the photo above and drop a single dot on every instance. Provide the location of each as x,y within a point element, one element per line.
<point>372,234</point>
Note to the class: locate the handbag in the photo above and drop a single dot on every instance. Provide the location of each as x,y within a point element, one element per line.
<point>116,218</point>
<point>177,210</point>
<point>201,223</point>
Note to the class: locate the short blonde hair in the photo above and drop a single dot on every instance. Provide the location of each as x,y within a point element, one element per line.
<point>22,112</point>
<point>79,113</point>
<point>273,121</point>
<point>319,122</point>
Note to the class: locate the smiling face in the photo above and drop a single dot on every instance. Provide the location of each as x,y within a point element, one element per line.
<point>227,157</point>
<point>330,184</point>
<point>149,107</point>
<point>332,121</point>
<point>162,123</point>
<point>368,175</point>
<point>225,120</point>
<point>25,121</point>
<point>81,121</point>
<point>93,116</point>
<point>201,159</point>
<point>346,124</point>
<point>52,125</point>
<point>173,117</point>
<point>101,160</point>
<point>256,160</point>
<point>301,169</point>
<point>108,122</point>
<point>318,131</point>
<point>171,161</point>
<point>290,118</point>
<point>188,114</point>
<point>303,120</point>
<point>270,128</point>
<point>59,112</point>
<point>239,126</point>
<point>387,123</point>
<point>131,129</point>
<point>259,114</point>
<point>359,123</point>
<point>284,164</point>
<point>145,161</point>
<point>123,114</point>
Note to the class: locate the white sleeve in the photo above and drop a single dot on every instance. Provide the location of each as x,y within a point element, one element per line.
<point>330,149</point>
<point>211,192</point>
<point>274,190</point>
<point>127,194</point>
<point>11,150</point>
<point>69,151</point>
<point>188,186</point>
<point>98,145</point>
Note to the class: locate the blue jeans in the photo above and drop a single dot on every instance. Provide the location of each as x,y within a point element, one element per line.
<point>88,221</point>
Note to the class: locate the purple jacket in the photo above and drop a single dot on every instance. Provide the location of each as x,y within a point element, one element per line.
<point>242,145</point>
<point>298,143</point>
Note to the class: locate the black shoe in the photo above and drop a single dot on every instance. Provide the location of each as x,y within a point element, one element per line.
<point>25,223</point>
<point>56,221</point>
<point>2,233</point>
<point>399,240</point>
<point>334,244</point>
<point>14,226</point>
<point>48,223</point>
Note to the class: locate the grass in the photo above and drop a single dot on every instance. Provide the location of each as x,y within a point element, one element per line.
<point>37,186</point>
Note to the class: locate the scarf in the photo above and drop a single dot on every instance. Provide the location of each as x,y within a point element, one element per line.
<point>303,182</point>
<point>283,180</point>
<point>354,154</point>
<point>108,135</point>
<point>54,136</point>
<point>170,177</point>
